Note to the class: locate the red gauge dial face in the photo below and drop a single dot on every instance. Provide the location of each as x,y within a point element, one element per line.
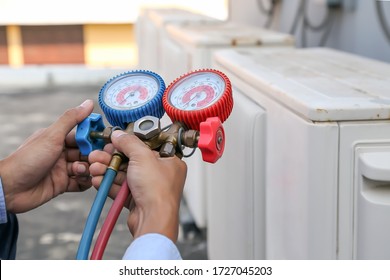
<point>197,91</point>
<point>131,92</point>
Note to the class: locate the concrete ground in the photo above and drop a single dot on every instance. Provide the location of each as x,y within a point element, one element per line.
<point>53,230</point>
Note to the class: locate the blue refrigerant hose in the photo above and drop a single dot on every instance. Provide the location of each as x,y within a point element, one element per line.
<point>94,214</point>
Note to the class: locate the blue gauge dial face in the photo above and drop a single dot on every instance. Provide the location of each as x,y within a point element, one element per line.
<point>131,91</point>
<point>197,91</point>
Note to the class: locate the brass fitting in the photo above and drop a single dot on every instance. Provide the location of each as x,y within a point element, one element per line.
<point>147,127</point>
<point>116,161</point>
<point>167,141</point>
<point>105,134</point>
<point>167,150</point>
<point>190,138</point>
<point>170,139</point>
<point>149,131</point>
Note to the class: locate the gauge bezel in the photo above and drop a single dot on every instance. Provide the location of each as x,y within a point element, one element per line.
<point>192,118</point>
<point>121,117</point>
<point>189,79</point>
<point>106,93</point>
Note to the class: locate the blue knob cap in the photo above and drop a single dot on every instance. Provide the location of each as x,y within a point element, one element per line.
<point>86,144</point>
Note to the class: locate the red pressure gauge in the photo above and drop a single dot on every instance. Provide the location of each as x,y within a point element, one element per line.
<point>198,95</point>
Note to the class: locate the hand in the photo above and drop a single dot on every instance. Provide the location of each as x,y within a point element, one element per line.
<point>46,165</point>
<point>156,185</point>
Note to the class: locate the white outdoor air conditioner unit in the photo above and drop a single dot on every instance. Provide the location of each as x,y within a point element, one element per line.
<point>150,27</point>
<point>190,46</point>
<point>306,168</point>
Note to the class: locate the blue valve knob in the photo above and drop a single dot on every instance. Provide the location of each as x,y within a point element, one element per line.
<point>86,144</point>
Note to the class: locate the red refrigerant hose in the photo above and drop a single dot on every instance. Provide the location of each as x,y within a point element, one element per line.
<point>109,223</point>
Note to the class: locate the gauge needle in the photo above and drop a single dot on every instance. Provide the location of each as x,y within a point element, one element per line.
<point>196,96</point>
<point>131,93</point>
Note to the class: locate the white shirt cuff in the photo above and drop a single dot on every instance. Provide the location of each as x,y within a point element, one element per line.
<point>3,209</point>
<point>152,246</point>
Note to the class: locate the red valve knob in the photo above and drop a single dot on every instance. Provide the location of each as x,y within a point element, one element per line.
<point>212,139</point>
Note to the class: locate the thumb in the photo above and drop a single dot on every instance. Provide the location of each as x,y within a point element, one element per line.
<point>72,117</point>
<point>128,144</point>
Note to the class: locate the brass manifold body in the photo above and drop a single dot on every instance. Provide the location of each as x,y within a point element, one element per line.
<point>168,141</point>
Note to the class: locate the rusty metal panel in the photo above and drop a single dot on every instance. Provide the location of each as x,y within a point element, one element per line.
<point>3,46</point>
<point>53,44</point>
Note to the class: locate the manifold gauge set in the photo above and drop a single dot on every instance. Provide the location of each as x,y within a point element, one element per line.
<point>197,103</point>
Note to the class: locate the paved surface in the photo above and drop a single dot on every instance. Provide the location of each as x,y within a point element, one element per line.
<point>53,230</point>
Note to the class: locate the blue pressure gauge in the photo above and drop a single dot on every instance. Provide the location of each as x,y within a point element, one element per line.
<point>131,96</point>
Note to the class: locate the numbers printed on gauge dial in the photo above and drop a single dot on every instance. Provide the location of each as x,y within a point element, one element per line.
<point>131,91</point>
<point>197,91</point>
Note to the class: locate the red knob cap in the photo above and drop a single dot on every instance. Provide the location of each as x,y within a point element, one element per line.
<point>212,139</point>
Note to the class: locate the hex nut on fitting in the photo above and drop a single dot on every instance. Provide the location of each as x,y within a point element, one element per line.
<point>190,138</point>
<point>147,127</point>
<point>167,150</point>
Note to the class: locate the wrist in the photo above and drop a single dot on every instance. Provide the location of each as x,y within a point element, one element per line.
<point>161,218</point>
<point>7,195</point>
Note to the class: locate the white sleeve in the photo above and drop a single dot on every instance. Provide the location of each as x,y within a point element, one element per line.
<point>3,209</point>
<point>152,246</point>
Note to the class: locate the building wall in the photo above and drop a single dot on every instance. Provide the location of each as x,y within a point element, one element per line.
<point>3,46</point>
<point>53,44</point>
<point>355,27</point>
<point>91,44</point>
<point>105,45</point>
<point>105,33</point>
<point>15,46</point>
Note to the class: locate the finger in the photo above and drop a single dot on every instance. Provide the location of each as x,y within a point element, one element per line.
<point>71,118</point>
<point>156,154</point>
<point>70,139</point>
<point>180,165</point>
<point>72,155</point>
<point>84,182</point>
<point>130,145</point>
<point>96,181</point>
<point>79,184</point>
<point>105,156</point>
<point>120,177</point>
<point>109,148</point>
<point>100,157</point>
<point>97,169</point>
<point>78,169</point>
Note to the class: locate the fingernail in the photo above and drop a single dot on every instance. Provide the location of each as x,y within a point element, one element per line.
<point>81,169</point>
<point>118,133</point>
<point>85,103</point>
